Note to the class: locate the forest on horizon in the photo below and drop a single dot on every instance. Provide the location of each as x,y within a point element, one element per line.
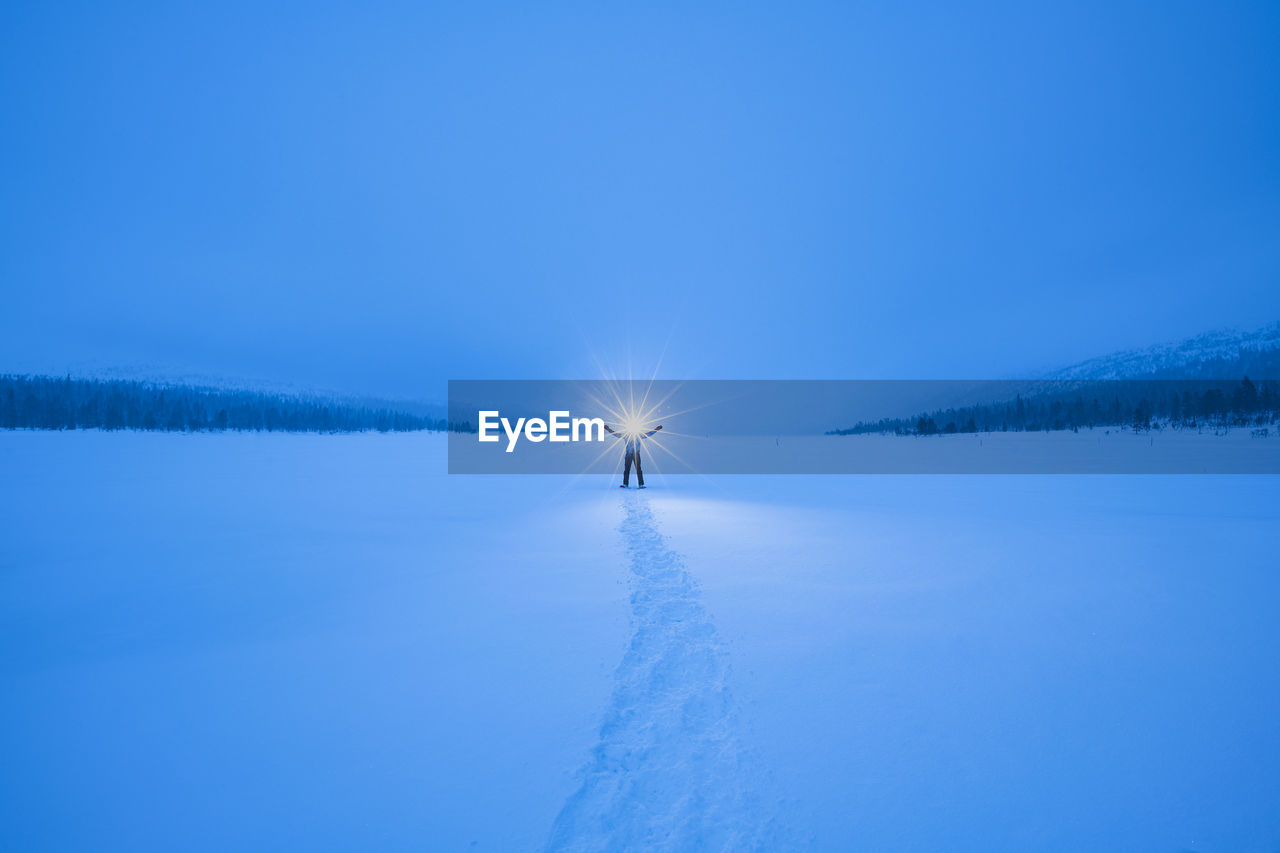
<point>44,402</point>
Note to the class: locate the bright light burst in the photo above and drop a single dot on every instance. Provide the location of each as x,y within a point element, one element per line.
<point>635,419</point>
<point>633,425</point>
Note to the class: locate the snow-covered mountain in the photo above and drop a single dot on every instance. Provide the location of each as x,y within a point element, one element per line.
<point>1221,354</point>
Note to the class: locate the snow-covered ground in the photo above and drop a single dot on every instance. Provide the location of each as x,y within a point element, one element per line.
<point>217,642</point>
<point>1239,450</point>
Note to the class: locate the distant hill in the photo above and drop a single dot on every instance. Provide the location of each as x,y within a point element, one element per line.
<point>1221,354</point>
<point>50,402</point>
<point>1223,378</point>
<point>170,375</point>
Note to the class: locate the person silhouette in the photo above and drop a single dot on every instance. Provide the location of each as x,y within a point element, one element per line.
<point>633,440</point>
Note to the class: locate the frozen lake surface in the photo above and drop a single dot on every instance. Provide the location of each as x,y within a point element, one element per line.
<point>237,641</point>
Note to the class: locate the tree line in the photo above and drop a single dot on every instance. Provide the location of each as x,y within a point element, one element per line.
<point>1072,405</point>
<point>44,402</point>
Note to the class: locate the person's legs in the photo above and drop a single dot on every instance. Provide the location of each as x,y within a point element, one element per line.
<point>639,473</point>
<point>626,468</point>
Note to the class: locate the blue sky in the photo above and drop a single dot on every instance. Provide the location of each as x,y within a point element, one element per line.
<point>380,197</point>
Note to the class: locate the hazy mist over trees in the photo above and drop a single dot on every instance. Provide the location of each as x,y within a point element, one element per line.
<point>43,402</point>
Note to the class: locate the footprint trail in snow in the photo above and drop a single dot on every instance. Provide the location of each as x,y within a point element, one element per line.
<point>669,772</point>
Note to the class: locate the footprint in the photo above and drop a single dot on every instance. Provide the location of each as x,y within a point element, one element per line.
<point>669,771</point>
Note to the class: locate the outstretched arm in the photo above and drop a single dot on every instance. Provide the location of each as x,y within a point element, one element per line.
<point>608,429</point>
<point>650,432</point>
